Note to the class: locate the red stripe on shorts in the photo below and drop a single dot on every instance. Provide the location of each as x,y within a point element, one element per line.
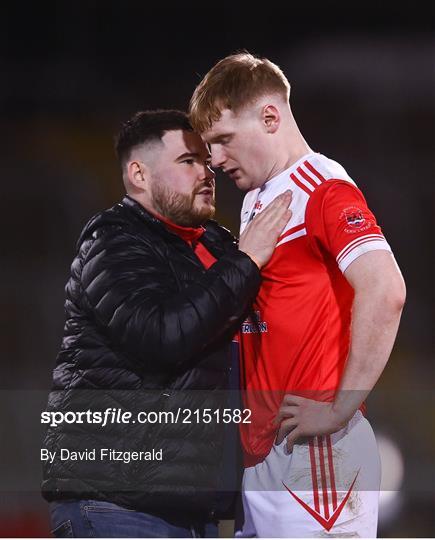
<point>323,475</point>
<point>314,476</point>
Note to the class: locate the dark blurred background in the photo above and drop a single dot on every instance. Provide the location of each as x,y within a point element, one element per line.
<point>363,93</point>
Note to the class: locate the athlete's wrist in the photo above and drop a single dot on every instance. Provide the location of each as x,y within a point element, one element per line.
<point>343,411</point>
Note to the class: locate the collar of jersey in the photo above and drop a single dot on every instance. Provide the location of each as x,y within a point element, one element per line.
<point>284,175</point>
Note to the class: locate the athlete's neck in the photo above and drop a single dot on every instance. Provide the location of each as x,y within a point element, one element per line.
<point>290,146</point>
<point>284,164</point>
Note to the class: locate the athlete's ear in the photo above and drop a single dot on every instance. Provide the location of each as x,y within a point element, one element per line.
<point>271,118</point>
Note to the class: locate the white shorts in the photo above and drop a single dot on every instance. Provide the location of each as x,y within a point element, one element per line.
<point>327,487</point>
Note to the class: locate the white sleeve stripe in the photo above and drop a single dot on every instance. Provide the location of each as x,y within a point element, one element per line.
<point>356,244</point>
<point>357,241</point>
<point>369,245</point>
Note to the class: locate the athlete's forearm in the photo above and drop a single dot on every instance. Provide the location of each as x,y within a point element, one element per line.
<point>375,321</point>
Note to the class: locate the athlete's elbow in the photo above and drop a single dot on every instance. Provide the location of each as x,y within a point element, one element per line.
<point>393,296</point>
<point>400,297</point>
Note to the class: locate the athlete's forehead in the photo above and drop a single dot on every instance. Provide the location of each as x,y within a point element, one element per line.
<point>226,125</point>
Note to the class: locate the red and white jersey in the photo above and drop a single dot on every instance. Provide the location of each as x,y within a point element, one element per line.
<point>298,335</point>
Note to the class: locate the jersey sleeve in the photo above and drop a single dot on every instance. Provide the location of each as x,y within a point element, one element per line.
<point>339,222</point>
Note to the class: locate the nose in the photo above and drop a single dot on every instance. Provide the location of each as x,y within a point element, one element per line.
<point>218,157</point>
<point>209,174</point>
<point>204,172</point>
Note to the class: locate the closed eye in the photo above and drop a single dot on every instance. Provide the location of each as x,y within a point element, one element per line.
<point>222,139</point>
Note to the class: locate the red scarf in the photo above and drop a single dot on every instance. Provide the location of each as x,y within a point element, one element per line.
<point>191,235</point>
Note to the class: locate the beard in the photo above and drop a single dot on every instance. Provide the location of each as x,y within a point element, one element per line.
<point>179,207</point>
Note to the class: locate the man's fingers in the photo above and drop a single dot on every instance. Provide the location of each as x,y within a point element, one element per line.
<point>291,399</point>
<point>276,214</point>
<point>284,219</point>
<point>286,412</point>
<point>282,198</point>
<point>285,428</point>
<point>285,198</point>
<point>280,202</point>
<point>292,438</point>
<point>280,435</point>
<point>287,195</point>
<point>259,238</point>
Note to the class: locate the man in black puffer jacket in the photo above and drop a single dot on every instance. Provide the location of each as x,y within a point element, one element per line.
<point>156,292</point>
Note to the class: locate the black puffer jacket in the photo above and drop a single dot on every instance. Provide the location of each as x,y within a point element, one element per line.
<point>147,329</point>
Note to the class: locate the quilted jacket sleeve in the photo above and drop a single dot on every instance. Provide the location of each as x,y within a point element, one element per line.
<point>125,283</point>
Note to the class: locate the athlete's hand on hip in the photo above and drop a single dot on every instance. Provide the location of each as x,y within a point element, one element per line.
<point>259,238</point>
<point>301,417</point>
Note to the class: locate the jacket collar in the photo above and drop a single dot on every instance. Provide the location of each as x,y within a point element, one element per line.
<point>139,210</point>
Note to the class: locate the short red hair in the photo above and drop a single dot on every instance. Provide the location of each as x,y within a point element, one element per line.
<point>235,81</point>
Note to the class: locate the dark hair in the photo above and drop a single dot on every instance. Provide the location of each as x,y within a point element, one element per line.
<point>147,126</point>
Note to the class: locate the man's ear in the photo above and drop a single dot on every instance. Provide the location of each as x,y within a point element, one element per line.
<point>271,118</point>
<point>138,174</point>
